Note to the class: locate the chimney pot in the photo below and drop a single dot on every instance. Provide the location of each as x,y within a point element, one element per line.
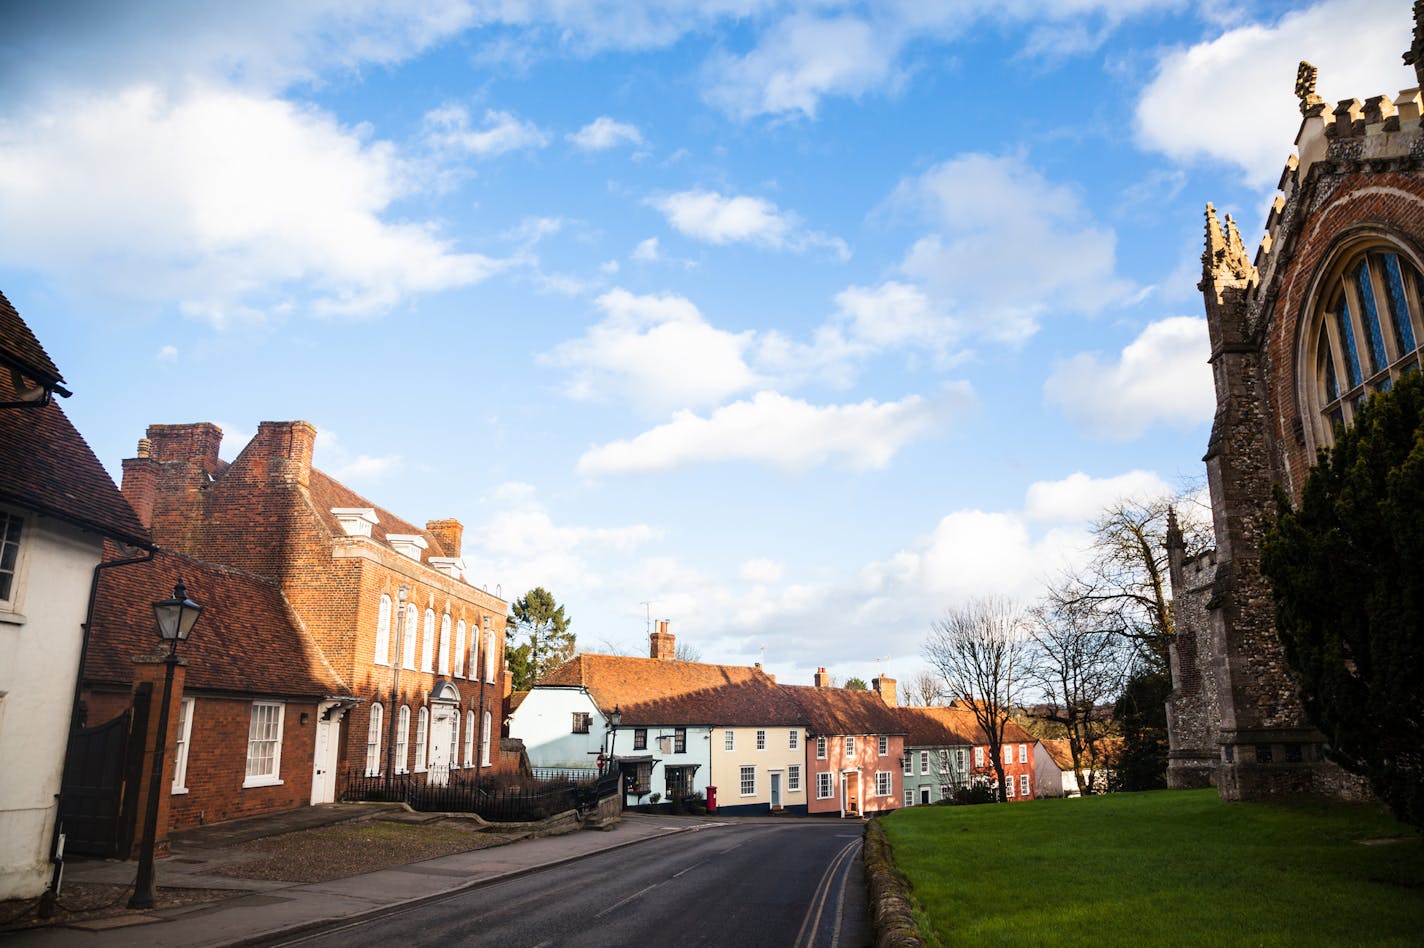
<point>664,644</point>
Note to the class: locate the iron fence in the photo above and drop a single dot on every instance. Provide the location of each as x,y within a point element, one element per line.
<point>498,805</point>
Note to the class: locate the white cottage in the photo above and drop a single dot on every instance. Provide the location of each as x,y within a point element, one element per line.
<point>57,506</point>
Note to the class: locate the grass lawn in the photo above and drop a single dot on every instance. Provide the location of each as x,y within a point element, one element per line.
<point>1162,868</point>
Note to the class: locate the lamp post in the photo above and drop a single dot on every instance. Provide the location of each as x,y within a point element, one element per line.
<point>176,618</point>
<point>615,718</point>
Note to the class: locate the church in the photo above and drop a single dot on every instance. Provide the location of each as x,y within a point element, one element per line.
<point>1326,312</point>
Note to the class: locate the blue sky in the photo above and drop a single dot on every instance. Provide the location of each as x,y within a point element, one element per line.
<point>803,322</point>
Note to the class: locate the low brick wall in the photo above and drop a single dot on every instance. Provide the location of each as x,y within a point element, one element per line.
<point>890,915</point>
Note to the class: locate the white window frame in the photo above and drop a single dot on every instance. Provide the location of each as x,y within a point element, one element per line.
<point>459,661</point>
<point>402,764</point>
<point>978,757</point>
<point>1008,753</point>
<point>489,657</point>
<point>411,631</point>
<point>944,791</point>
<point>383,632</point>
<point>794,740</point>
<point>272,777</point>
<point>907,764</point>
<point>454,757</point>
<point>1023,786</point>
<point>943,759</point>
<point>761,740</point>
<point>850,746</point>
<point>1009,786</point>
<point>825,787</point>
<point>16,541</point>
<point>427,650</point>
<point>470,738</point>
<point>793,778</point>
<point>960,758</point>
<point>882,746</point>
<point>924,762</point>
<point>1023,753</point>
<point>485,743</point>
<point>373,740</point>
<point>746,777</point>
<point>820,748</point>
<point>444,648</point>
<point>422,737</point>
<point>884,783</point>
<point>908,796</point>
<point>729,740</point>
<point>180,747</point>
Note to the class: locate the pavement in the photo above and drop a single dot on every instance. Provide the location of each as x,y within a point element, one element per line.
<point>269,910</point>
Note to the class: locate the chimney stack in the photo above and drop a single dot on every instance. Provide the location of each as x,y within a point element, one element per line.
<point>448,533</point>
<point>822,679</point>
<point>664,643</point>
<point>286,447</point>
<point>885,688</point>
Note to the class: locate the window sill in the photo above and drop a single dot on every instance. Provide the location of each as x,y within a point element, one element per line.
<point>252,782</point>
<point>178,791</point>
<point>11,618</point>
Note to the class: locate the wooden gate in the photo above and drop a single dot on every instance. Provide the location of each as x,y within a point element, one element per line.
<point>98,817</point>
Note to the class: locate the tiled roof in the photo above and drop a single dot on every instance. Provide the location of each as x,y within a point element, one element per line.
<point>932,727</point>
<point>639,685</point>
<point>247,641</point>
<point>46,465</point>
<point>755,701</point>
<point>19,346</point>
<point>1059,750</point>
<point>327,492</point>
<point>845,711</point>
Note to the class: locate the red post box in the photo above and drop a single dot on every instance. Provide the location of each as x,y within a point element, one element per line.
<point>711,799</point>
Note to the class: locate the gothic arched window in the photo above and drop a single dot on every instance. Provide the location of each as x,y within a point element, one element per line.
<point>1367,322</point>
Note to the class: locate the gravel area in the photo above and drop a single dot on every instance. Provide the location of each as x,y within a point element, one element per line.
<point>82,901</point>
<point>335,852</point>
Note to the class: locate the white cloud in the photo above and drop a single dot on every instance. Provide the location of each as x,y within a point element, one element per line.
<point>790,433</point>
<point>447,130</point>
<point>656,351</point>
<point>986,212</point>
<point>333,457</point>
<point>1079,497</point>
<point>1162,376</point>
<point>604,133</point>
<point>762,571</point>
<point>892,314</point>
<point>646,251</point>
<point>232,205</point>
<point>720,219</point>
<point>800,60</point>
<point>1232,99</point>
<point>167,354</point>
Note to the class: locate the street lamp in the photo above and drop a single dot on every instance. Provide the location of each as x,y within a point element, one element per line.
<point>176,618</point>
<point>615,718</point>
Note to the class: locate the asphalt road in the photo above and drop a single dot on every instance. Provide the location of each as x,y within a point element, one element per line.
<point>794,883</point>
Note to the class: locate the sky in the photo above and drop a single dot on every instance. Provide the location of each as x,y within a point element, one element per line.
<point>796,324</point>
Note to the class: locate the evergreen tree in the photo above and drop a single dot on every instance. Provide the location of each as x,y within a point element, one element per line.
<point>1141,715</point>
<point>547,642</point>
<point>1347,570</point>
<point>856,683</point>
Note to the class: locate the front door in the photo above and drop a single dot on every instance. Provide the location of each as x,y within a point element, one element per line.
<point>850,793</point>
<point>925,795</point>
<point>442,719</point>
<point>324,760</point>
<point>775,790</point>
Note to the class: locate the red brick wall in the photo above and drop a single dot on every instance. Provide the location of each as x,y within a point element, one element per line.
<point>867,760</point>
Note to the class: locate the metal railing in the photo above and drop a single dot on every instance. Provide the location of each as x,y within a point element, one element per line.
<point>498,805</point>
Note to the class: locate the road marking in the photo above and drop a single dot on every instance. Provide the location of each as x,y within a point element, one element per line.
<point>688,869</point>
<point>811,924</point>
<point>627,900</point>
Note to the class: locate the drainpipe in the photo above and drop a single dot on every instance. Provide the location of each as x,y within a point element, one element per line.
<point>56,840</point>
<point>401,595</point>
<point>483,672</point>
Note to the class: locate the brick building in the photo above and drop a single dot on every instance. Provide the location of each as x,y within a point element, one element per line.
<point>1328,311</point>
<point>396,657</point>
<point>854,747</point>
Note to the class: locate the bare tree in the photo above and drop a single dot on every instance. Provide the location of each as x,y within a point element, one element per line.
<point>978,650</point>
<point>685,652</point>
<point>1125,583</point>
<point>1079,669</point>
<point>924,689</point>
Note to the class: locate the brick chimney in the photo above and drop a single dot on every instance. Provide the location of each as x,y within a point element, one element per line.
<point>140,483</point>
<point>822,679</point>
<point>448,533</point>
<point>885,688</point>
<point>164,483</point>
<point>664,643</point>
<point>286,447</point>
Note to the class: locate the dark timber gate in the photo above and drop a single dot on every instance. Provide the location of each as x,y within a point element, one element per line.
<point>97,814</point>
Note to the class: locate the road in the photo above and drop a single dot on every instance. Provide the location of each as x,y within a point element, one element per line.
<point>794,883</point>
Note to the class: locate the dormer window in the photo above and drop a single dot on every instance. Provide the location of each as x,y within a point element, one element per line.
<point>407,544</point>
<point>356,521</point>
<point>449,565</point>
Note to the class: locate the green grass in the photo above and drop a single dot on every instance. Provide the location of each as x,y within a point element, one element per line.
<point>1163,868</point>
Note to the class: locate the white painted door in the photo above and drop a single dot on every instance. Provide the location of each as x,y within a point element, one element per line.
<point>775,790</point>
<point>441,719</point>
<point>324,760</point>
